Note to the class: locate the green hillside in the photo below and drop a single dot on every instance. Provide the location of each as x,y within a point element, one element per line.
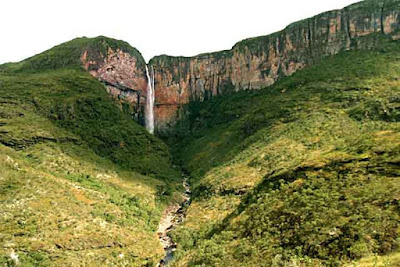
<point>303,173</point>
<point>80,182</point>
<point>68,55</point>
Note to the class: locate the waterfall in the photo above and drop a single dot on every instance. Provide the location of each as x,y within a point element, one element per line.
<point>149,110</point>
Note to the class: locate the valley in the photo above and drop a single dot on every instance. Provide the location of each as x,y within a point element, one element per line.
<point>172,217</point>
<point>295,167</point>
<point>283,151</point>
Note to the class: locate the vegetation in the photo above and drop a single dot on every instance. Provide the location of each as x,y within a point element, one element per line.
<point>69,55</point>
<point>302,173</point>
<point>80,182</point>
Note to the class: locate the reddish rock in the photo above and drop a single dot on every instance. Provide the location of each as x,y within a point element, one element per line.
<point>258,62</point>
<point>124,75</point>
<point>250,65</point>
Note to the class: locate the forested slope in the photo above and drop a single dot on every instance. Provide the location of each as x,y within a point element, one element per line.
<point>306,171</point>
<point>80,182</point>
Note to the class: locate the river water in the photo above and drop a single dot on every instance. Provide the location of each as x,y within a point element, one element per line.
<point>172,216</point>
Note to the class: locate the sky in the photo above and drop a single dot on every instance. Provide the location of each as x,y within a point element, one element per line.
<point>154,27</point>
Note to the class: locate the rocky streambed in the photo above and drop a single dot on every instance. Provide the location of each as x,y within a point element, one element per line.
<point>172,216</point>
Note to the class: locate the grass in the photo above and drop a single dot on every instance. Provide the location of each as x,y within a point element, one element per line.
<point>72,99</point>
<point>68,55</point>
<point>80,182</point>
<point>74,209</point>
<point>303,172</point>
<point>376,260</point>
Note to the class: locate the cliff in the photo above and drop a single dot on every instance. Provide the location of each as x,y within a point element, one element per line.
<point>123,73</point>
<point>119,66</point>
<point>251,64</point>
<point>88,181</point>
<point>259,62</point>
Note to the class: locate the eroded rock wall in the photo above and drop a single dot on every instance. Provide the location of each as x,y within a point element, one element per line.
<point>124,76</point>
<point>259,62</point>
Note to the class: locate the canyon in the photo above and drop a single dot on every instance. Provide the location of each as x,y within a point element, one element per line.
<point>283,151</point>
<point>251,64</point>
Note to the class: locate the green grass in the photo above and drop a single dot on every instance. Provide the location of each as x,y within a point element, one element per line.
<point>81,183</point>
<point>73,100</point>
<point>304,172</point>
<point>70,206</point>
<point>68,55</point>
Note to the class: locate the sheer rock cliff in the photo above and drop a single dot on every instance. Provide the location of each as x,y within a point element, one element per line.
<point>251,64</point>
<point>124,76</point>
<point>259,62</point>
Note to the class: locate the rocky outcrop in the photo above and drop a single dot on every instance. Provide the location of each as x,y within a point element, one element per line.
<point>259,62</point>
<point>250,65</point>
<point>123,74</point>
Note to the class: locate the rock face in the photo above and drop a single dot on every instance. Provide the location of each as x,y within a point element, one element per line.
<point>123,74</point>
<point>251,64</point>
<point>259,62</point>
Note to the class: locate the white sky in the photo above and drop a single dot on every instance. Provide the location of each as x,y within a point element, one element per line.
<point>154,27</point>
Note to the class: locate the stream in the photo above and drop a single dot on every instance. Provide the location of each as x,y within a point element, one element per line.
<point>173,215</point>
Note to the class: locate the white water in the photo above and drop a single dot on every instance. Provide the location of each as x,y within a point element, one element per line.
<point>149,110</point>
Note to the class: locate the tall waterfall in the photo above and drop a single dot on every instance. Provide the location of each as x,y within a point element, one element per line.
<point>149,110</point>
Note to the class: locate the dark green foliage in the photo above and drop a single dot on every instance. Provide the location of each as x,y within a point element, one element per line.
<point>70,153</point>
<point>332,215</point>
<point>242,114</point>
<point>55,84</point>
<point>75,101</point>
<point>317,154</point>
<point>325,142</point>
<point>69,54</point>
<point>216,55</point>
